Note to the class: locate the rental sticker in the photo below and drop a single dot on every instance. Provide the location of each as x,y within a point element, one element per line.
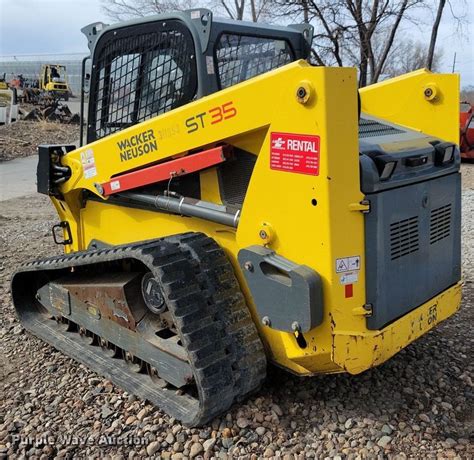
<point>298,153</point>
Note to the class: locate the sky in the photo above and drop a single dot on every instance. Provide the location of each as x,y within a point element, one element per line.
<point>33,27</point>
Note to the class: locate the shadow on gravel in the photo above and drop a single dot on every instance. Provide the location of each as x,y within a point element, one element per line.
<point>426,389</point>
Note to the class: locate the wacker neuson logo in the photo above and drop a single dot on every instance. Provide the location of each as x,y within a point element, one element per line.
<point>137,145</point>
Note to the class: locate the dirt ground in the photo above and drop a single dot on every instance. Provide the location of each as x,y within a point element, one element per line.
<point>22,138</point>
<point>419,404</point>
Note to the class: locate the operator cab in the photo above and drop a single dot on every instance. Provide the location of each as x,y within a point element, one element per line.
<point>141,70</point>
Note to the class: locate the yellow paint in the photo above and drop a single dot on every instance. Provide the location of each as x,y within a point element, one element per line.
<point>280,202</point>
<point>420,100</point>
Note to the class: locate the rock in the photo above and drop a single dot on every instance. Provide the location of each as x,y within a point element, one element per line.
<point>242,422</point>
<point>276,408</point>
<point>196,449</point>
<point>106,412</point>
<point>17,330</point>
<point>449,442</point>
<point>170,438</point>
<point>424,418</point>
<point>142,414</point>
<point>386,430</point>
<point>209,444</point>
<point>153,448</point>
<point>349,424</point>
<point>227,442</point>
<point>268,452</point>
<point>260,430</point>
<point>178,447</point>
<point>130,420</point>
<point>384,441</point>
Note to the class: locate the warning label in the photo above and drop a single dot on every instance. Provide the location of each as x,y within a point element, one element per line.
<point>88,163</point>
<point>347,264</point>
<point>349,278</point>
<point>297,153</point>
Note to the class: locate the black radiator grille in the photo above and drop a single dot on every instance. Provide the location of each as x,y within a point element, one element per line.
<point>234,178</point>
<point>440,223</point>
<point>240,57</point>
<point>372,128</point>
<point>139,73</point>
<point>404,237</point>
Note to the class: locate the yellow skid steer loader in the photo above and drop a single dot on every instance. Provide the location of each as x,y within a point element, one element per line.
<point>234,205</point>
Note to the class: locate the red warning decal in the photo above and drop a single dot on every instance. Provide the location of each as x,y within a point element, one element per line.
<point>297,153</point>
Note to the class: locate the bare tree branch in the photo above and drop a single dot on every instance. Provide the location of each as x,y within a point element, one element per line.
<point>434,34</point>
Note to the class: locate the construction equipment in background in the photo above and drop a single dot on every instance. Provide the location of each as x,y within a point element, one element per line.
<point>53,111</point>
<point>235,204</point>
<point>53,80</point>
<point>3,82</point>
<point>466,119</point>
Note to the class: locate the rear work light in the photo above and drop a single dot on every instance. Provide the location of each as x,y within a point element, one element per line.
<point>444,153</point>
<point>386,164</point>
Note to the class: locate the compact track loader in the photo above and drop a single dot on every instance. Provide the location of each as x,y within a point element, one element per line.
<point>234,204</point>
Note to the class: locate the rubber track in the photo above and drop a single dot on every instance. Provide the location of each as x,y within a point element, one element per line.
<point>209,310</point>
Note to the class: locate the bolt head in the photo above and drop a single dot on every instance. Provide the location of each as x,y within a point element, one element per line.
<point>295,326</point>
<point>248,266</point>
<point>266,321</point>
<point>428,92</point>
<point>263,234</point>
<point>99,188</point>
<point>301,92</point>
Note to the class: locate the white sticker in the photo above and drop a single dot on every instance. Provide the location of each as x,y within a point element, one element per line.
<point>90,172</point>
<point>347,264</point>
<point>354,263</point>
<point>196,14</point>
<point>88,163</point>
<point>210,65</point>
<point>349,278</point>
<point>115,185</point>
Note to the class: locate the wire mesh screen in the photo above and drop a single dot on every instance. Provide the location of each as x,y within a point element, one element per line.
<point>240,57</point>
<point>141,72</point>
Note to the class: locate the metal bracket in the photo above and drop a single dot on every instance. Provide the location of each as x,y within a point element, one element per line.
<point>92,32</point>
<point>363,206</point>
<point>202,18</point>
<point>64,225</point>
<point>307,31</point>
<point>50,174</point>
<point>288,296</point>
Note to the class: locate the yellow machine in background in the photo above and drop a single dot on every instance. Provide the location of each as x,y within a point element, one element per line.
<point>235,204</point>
<point>3,82</point>
<point>53,79</point>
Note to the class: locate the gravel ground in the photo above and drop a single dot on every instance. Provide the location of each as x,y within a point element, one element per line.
<point>417,405</point>
<point>21,139</point>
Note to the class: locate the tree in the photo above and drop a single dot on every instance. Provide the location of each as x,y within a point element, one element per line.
<point>408,55</point>
<point>434,34</point>
<point>352,32</point>
<point>120,10</point>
